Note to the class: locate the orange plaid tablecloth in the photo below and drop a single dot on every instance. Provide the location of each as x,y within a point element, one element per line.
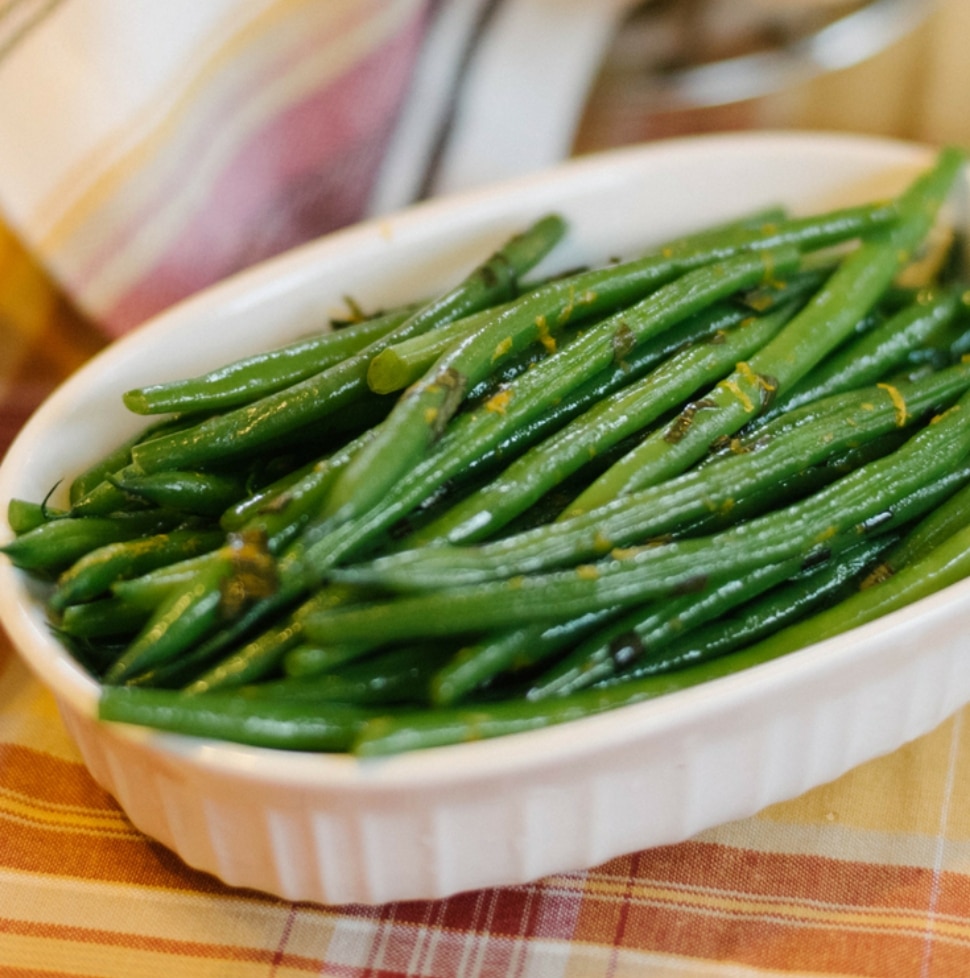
<point>867,876</point>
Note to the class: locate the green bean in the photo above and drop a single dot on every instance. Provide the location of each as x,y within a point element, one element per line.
<point>91,477</point>
<point>787,447</point>
<point>819,589</point>
<point>105,618</point>
<point>873,356</point>
<point>949,518</point>
<point>237,431</point>
<point>53,546</point>
<point>400,365</point>
<point>831,519</point>
<point>247,379</point>
<point>252,426</point>
<point>604,425</point>
<point>263,654</point>
<point>238,574</point>
<point>195,493</point>
<point>23,515</point>
<point>312,660</point>
<point>396,675</point>
<point>282,513</point>
<point>944,565</point>
<point>233,716</point>
<point>826,321</point>
<point>266,497</point>
<point>474,434</point>
<point>94,573</point>
<point>148,589</point>
<point>670,634</point>
<point>476,665</point>
<point>422,729</point>
<point>179,615</point>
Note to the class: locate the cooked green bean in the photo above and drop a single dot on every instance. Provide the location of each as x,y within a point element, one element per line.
<point>53,546</point>
<point>668,635</point>
<point>312,660</point>
<point>874,355</point>
<point>825,322</point>
<point>94,573</point>
<point>829,520</point>
<point>478,665</point>
<point>787,447</point>
<point>390,676</point>
<point>944,565</point>
<point>421,729</point>
<point>263,654</point>
<point>252,426</point>
<point>604,425</point>
<point>109,618</point>
<point>245,380</point>
<point>293,724</point>
<point>193,493</point>
<point>24,515</point>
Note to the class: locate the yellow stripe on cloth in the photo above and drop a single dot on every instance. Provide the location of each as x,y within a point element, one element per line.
<point>65,818</point>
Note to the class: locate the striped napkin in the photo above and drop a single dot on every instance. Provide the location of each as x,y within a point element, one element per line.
<point>154,148</point>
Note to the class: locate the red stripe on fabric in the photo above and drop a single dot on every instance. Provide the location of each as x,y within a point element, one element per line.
<point>307,172</point>
<point>790,876</point>
<point>776,936</point>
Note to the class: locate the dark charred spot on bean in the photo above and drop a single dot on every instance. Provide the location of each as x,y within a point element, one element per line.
<point>455,385</point>
<point>679,427</point>
<point>490,273</point>
<point>816,557</point>
<point>876,520</point>
<point>623,342</point>
<point>769,385</point>
<point>690,585</point>
<point>626,649</point>
<point>498,272</point>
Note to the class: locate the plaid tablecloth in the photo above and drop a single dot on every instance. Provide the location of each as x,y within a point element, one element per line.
<point>867,876</point>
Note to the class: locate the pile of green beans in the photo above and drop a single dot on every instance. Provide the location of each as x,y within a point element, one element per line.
<point>528,500</point>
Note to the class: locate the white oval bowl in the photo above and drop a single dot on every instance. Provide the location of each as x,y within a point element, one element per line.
<point>334,829</point>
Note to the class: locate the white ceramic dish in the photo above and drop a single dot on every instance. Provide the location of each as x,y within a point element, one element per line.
<point>334,830</point>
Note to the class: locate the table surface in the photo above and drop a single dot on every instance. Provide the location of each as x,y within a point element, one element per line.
<point>869,875</point>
